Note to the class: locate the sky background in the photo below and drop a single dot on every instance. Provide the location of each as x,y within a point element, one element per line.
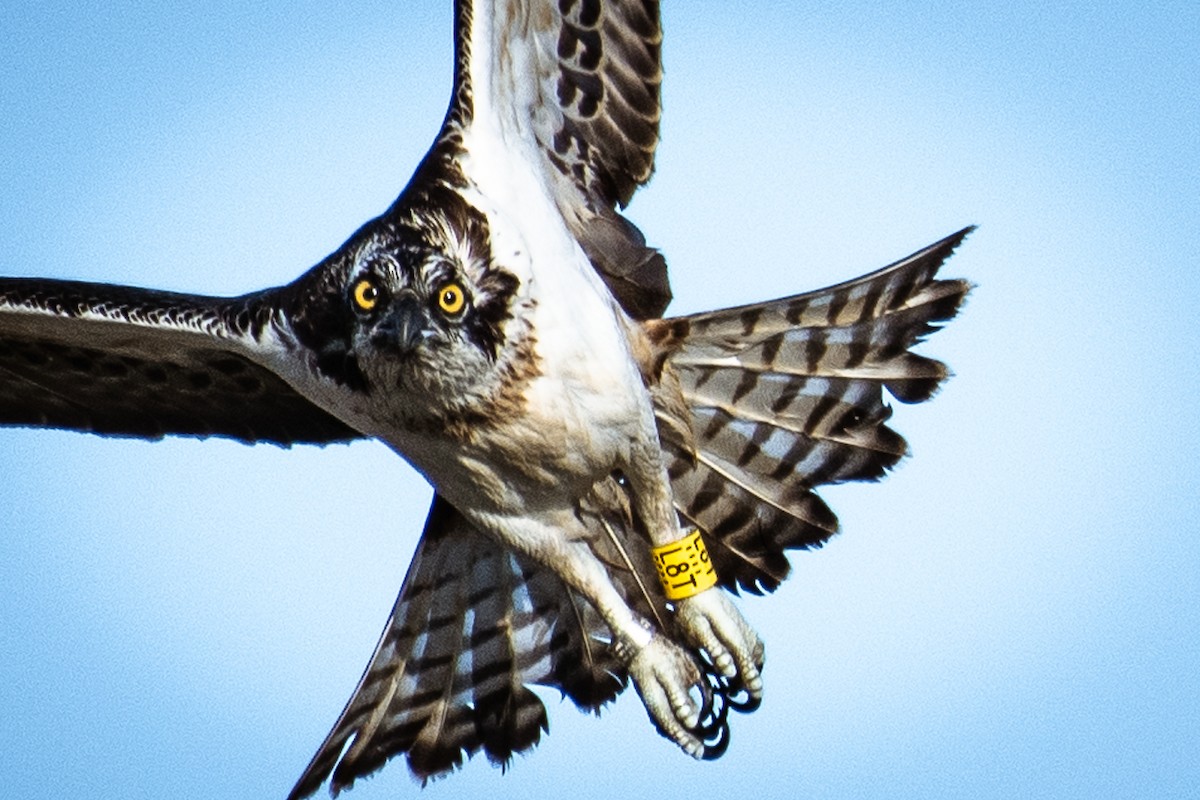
<point>1014,612</point>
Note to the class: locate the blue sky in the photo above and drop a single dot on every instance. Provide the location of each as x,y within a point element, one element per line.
<point>1014,612</point>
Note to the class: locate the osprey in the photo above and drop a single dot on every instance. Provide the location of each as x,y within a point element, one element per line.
<point>602,474</point>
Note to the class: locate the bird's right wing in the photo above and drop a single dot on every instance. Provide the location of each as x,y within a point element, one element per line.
<point>135,362</point>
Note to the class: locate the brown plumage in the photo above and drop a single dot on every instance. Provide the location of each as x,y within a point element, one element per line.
<point>779,398</point>
<point>553,477</point>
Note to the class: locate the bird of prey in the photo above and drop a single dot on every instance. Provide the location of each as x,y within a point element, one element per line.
<point>603,474</point>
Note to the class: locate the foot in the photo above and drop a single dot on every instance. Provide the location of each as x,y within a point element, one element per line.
<point>714,624</point>
<point>664,676</point>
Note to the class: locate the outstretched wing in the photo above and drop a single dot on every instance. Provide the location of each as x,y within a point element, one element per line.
<point>580,80</point>
<point>473,626</point>
<point>788,395</point>
<point>134,362</point>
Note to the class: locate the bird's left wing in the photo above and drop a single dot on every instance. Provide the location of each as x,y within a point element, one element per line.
<point>135,362</point>
<point>473,625</point>
<point>578,81</point>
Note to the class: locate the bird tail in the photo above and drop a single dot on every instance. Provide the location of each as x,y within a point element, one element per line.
<point>760,404</point>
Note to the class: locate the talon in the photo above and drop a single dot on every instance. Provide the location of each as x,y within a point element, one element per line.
<point>717,749</point>
<point>746,706</point>
<point>732,647</point>
<point>688,699</point>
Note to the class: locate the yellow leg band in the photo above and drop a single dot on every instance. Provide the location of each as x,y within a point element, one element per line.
<point>684,567</point>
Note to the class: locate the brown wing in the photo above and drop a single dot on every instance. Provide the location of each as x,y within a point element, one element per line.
<point>789,394</point>
<point>581,78</point>
<point>135,362</point>
<point>473,626</point>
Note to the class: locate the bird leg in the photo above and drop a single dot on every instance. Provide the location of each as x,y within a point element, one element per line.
<point>666,676</point>
<point>709,618</point>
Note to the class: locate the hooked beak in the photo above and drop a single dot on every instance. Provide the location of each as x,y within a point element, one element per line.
<point>403,327</point>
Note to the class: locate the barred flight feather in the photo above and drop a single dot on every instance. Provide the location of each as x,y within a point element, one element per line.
<point>757,405</point>
<point>475,624</point>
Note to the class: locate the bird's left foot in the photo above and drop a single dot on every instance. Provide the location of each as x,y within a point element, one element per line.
<point>714,624</point>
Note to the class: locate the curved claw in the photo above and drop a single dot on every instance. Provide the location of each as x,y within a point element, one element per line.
<point>749,704</point>
<point>739,698</point>
<point>717,749</point>
<point>713,728</point>
<point>720,694</point>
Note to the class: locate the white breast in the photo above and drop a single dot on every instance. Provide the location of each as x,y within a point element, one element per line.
<point>588,402</point>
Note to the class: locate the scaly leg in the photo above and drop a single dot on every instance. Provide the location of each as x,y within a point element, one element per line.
<point>663,673</point>
<point>709,618</point>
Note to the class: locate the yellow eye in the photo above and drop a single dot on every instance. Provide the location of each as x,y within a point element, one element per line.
<point>366,294</point>
<point>452,298</point>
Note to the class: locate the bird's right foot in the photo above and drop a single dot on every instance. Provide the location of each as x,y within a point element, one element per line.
<point>664,676</point>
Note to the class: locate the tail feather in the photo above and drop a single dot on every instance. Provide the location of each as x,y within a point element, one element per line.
<point>841,304</point>
<point>787,395</point>
<point>746,536</point>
